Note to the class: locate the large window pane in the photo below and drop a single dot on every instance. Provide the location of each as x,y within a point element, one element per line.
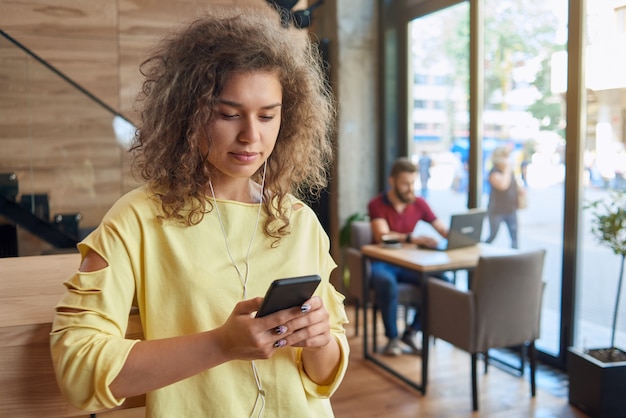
<point>523,115</point>
<point>438,108</point>
<point>605,170</point>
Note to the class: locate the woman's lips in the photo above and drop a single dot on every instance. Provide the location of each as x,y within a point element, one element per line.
<point>244,157</point>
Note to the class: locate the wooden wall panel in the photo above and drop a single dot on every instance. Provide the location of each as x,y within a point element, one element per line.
<point>153,18</point>
<point>130,179</point>
<point>95,67</point>
<point>90,63</point>
<point>78,37</point>
<point>47,154</point>
<point>133,51</point>
<point>60,18</point>
<point>57,140</point>
<point>142,23</point>
<point>30,287</point>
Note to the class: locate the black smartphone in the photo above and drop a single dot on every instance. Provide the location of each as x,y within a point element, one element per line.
<point>287,293</point>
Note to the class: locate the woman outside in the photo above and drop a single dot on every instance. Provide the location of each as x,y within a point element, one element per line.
<point>503,198</point>
<point>235,124</point>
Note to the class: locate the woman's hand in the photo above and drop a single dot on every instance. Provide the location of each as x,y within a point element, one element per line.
<point>245,337</point>
<point>241,337</point>
<point>311,331</point>
<point>310,328</point>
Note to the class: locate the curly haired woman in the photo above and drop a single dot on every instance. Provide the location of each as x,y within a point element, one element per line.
<point>234,132</point>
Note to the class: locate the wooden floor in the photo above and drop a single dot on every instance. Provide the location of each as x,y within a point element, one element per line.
<point>368,391</point>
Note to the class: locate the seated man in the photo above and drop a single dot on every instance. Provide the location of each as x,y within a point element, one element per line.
<point>394,214</point>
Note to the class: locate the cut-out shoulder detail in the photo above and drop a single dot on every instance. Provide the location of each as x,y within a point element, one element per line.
<point>297,206</point>
<point>70,310</point>
<point>92,262</point>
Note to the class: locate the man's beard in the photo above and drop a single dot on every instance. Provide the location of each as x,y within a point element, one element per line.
<point>404,197</point>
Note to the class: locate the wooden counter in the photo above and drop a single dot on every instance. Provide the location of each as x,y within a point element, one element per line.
<point>30,287</point>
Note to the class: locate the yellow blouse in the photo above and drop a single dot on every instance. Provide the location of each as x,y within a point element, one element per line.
<point>183,281</point>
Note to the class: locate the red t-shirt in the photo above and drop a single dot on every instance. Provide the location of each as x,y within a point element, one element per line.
<point>381,208</point>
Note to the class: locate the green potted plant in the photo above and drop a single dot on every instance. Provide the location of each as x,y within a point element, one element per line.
<point>344,241</point>
<point>598,376</point>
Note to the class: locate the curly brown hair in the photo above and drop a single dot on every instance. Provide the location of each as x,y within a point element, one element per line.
<point>184,77</point>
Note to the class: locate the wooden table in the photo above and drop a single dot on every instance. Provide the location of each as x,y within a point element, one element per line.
<point>424,263</point>
<point>30,288</point>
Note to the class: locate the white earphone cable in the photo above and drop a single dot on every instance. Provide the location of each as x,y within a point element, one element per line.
<point>244,280</point>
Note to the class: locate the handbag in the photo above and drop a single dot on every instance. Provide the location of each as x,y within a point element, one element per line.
<point>522,197</point>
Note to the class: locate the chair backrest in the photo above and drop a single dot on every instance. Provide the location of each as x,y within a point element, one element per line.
<point>507,298</point>
<point>360,234</point>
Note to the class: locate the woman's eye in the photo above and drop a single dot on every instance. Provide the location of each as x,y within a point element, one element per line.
<point>231,116</point>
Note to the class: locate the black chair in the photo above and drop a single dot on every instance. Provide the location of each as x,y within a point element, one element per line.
<point>409,295</point>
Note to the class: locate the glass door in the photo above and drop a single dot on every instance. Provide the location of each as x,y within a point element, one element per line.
<point>523,116</point>
<point>604,173</point>
<point>438,113</point>
<point>524,133</point>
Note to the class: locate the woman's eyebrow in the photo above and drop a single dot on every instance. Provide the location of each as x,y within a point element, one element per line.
<point>236,104</point>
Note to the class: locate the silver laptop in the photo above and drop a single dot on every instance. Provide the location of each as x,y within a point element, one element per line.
<point>465,230</point>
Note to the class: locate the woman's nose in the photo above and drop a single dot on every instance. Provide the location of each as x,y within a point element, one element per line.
<point>249,131</point>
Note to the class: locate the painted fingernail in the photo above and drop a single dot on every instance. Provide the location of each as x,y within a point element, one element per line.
<point>280,329</point>
<point>305,308</point>
<point>280,343</point>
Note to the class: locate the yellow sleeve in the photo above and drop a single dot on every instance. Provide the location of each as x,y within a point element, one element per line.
<point>334,304</point>
<point>87,340</point>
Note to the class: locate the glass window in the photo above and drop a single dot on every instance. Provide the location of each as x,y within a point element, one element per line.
<point>439,53</point>
<point>604,172</point>
<point>524,138</point>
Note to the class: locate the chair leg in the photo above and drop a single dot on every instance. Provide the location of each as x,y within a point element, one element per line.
<point>474,383</point>
<point>406,316</point>
<point>375,328</point>
<point>486,357</point>
<point>522,359</point>
<point>357,308</point>
<point>532,356</point>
